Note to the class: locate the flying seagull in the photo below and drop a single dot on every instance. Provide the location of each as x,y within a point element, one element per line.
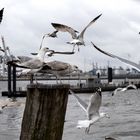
<point>77,39</point>
<point>132,64</point>
<point>92,110</point>
<point>1,14</point>
<point>131,86</point>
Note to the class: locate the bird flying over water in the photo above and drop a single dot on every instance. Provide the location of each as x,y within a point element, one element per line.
<point>91,109</point>
<point>132,64</point>
<point>1,14</point>
<point>131,86</point>
<point>77,39</point>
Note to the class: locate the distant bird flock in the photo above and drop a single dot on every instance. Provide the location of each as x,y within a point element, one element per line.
<point>37,64</point>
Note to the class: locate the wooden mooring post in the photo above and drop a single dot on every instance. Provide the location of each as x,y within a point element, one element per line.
<point>44,113</point>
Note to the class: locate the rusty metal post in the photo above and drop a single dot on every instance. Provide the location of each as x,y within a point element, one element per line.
<point>44,112</point>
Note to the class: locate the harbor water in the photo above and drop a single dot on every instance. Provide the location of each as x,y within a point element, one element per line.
<point>123,109</point>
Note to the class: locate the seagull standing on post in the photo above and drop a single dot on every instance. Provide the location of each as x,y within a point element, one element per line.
<point>58,69</point>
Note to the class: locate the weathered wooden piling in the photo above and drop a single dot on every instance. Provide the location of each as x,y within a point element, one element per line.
<point>44,113</point>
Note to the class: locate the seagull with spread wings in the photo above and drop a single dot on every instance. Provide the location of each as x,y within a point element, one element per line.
<point>132,64</point>
<point>131,86</point>
<point>91,109</point>
<point>77,39</point>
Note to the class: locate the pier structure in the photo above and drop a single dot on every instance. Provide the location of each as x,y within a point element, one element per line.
<point>11,71</point>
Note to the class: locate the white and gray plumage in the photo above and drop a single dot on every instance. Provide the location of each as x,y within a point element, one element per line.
<point>91,109</point>
<point>132,64</point>
<point>131,86</point>
<point>58,68</point>
<point>23,58</point>
<point>35,63</point>
<point>62,28</point>
<point>32,66</point>
<point>77,39</point>
<point>1,14</point>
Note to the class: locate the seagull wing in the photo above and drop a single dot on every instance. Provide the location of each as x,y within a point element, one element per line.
<point>65,28</point>
<point>24,58</point>
<point>57,65</point>
<point>131,87</point>
<point>1,14</point>
<point>31,64</point>
<point>63,52</point>
<point>116,90</point>
<point>82,104</point>
<point>94,104</point>
<point>132,64</point>
<point>82,33</point>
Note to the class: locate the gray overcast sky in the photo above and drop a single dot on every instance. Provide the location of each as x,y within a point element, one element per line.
<point>116,31</point>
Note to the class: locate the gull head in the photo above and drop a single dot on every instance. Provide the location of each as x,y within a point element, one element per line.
<point>99,89</point>
<point>44,49</point>
<point>75,68</point>
<point>42,52</point>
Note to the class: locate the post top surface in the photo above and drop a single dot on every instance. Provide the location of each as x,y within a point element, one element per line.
<point>48,86</point>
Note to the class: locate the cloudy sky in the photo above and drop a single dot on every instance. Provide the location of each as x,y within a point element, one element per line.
<point>116,31</point>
